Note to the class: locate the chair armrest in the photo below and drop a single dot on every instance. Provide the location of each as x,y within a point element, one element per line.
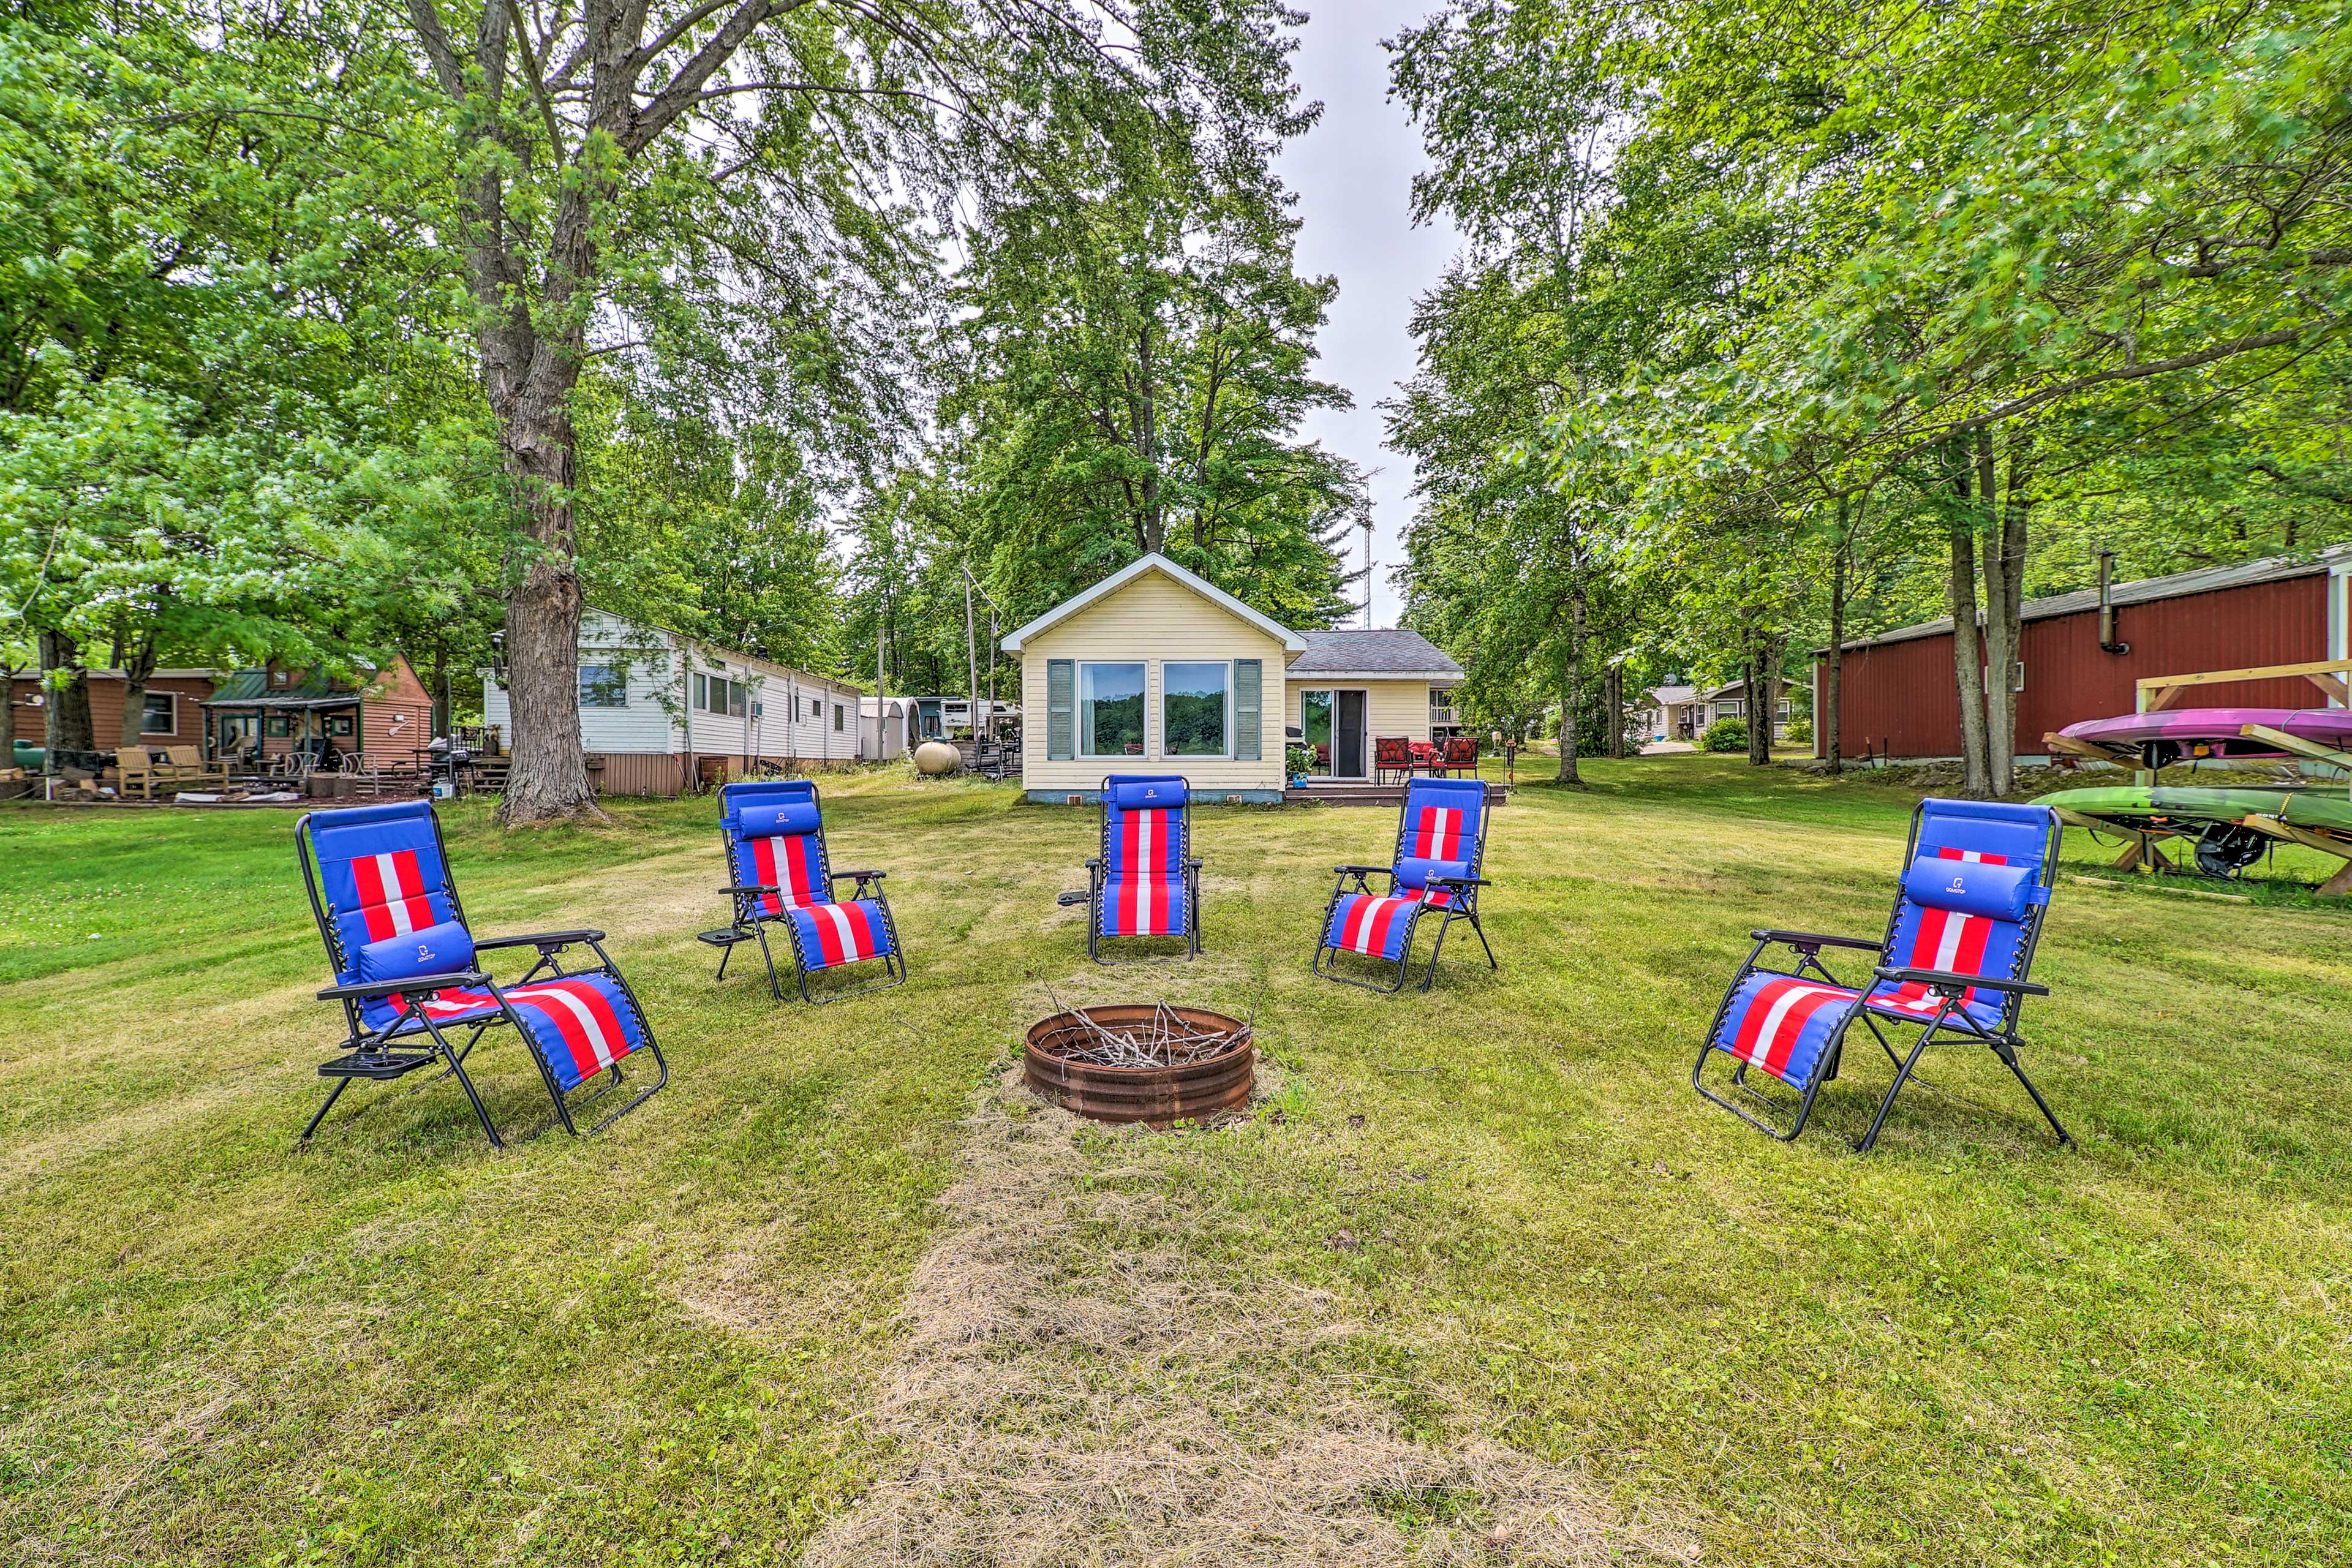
<point>1944,980</point>
<point>370,992</point>
<point>1812,940</point>
<point>1363,870</point>
<point>1459,882</point>
<point>1093,862</point>
<point>751,889</point>
<point>861,876</point>
<point>1066,900</point>
<point>541,940</point>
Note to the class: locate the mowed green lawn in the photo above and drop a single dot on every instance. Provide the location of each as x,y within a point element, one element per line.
<point>663,1343</point>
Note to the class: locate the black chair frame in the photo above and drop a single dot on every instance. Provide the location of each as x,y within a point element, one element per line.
<point>1463,906</point>
<point>376,1053</point>
<point>1950,1025</point>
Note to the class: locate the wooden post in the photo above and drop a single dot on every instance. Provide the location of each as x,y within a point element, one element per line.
<point>972,663</point>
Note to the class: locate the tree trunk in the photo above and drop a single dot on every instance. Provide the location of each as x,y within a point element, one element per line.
<point>137,659</point>
<point>8,674</point>
<point>1572,692</point>
<point>549,779</point>
<point>1825,723</point>
<point>1613,701</point>
<point>1967,661</point>
<point>2015,511</point>
<point>2001,629</point>
<point>1768,684</point>
<point>65,713</point>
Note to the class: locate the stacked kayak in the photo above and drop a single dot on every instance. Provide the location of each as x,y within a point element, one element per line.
<point>2160,739</point>
<point>2231,827</point>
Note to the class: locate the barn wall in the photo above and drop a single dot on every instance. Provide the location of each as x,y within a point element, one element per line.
<point>1900,697</point>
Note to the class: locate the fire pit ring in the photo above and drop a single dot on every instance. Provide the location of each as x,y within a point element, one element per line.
<point>1159,1095</point>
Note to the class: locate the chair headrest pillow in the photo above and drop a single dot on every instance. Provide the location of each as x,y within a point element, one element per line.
<point>1973,888</point>
<point>778,821</point>
<point>1155,794</point>
<point>444,949</point>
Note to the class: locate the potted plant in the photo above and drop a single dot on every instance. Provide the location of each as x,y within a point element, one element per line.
<point>1300,762</point>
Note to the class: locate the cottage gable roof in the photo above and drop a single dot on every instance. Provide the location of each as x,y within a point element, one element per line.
<point>1379,651</point>
<point>1291,641</point>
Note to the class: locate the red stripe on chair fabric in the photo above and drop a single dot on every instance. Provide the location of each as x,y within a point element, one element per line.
<point>844,932</point>
<point>1143,843</point>
<point>1777,1015</point>
<point>1954,943</point>
<point>788,864</point>
<point>1370,921</point>
<point>584,1019</point>
<point>1437,834</point>
<point>391,893</point>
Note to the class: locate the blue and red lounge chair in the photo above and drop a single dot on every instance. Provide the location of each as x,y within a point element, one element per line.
<point>774,832</point>
<point>1440,842</point>
<point>1146,882</point>
<point>1953,964</point>
<point>408,972</point>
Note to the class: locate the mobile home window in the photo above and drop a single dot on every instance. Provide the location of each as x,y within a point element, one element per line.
<point>1194,700</point>
<point>161,714</point>
<point>715,694</point>
<point>603,686</point>
<point>836,718</point>
<point>1111,709</point>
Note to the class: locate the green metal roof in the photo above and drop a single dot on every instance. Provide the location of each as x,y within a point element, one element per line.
<point>251,688</point>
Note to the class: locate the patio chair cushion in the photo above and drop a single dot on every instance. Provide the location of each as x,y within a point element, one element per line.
<point>1143,905</point>
<point>381,874</point>
<point>1957,939</point>
<point>829,934</point>
<point>1146,795</point>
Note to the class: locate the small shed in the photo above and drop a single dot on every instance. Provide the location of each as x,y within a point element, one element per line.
<point>1898,692</point>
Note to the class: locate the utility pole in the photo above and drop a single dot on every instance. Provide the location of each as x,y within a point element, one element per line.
<point>972,662</point>
<point>881,633</point>
<point>991,672</point>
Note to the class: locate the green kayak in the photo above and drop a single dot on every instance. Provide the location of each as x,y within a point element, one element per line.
<point>2187,807</point>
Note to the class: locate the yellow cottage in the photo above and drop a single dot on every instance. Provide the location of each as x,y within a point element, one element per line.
<point>1154,669</point>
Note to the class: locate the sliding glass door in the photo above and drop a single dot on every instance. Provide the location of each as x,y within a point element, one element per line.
<point>1331,720</point>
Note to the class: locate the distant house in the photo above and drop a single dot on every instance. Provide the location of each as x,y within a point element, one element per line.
<point>1154,669</point>
<point>171,714</point>
<point>1671,713</point>
<point>273,711</point>
<point>1731,702</point>
<point>660,710</point>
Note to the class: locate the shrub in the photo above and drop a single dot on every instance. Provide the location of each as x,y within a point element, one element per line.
<point>1800,731</point>
<point>1725,735</point>
<point>1299,760</point>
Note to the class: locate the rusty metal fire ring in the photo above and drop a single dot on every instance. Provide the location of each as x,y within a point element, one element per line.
<point>1159,1095</point>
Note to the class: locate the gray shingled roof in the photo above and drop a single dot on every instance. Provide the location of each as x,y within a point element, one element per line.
<point>1390,651</point>
<point>2147,590</point>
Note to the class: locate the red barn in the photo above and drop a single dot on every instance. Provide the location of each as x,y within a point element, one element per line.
<point>1898,696</point>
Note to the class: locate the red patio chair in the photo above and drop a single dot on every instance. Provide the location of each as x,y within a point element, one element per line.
<point>1391,754</point>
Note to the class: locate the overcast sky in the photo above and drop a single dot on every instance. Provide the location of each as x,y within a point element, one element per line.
<point>1352,175</point>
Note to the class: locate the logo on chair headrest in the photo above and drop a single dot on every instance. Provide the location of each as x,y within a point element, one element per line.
<point>1957,886</point>
<point>423,951</point>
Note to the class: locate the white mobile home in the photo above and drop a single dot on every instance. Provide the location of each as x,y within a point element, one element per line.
<point>660,710</point>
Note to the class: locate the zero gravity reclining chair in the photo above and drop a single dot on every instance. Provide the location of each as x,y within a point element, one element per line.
<point>406,969</point>
<point>774,832</point>
<point>1146,882</point>
<point>1440,841</point>
<point>1953,964</point>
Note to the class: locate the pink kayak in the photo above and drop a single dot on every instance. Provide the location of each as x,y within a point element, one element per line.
<point>2215,731</point>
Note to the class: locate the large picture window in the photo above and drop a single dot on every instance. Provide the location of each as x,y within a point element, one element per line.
<point>1194,703</point>
<point>1111,709</point>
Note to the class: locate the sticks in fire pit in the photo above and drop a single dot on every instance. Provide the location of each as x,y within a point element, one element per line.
<point>1162,1039</point>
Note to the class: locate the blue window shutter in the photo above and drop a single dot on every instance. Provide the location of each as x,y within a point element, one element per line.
<point>1061,710</point>
<point>1249,721</point>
